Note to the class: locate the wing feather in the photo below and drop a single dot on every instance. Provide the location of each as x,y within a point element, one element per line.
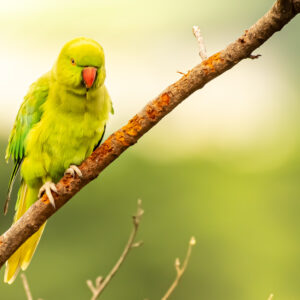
<point>29,114</point>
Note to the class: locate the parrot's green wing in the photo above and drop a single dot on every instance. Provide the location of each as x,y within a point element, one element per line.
<point>29,114</point>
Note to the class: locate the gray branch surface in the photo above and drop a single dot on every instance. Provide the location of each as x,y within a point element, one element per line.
<point>277,17</point>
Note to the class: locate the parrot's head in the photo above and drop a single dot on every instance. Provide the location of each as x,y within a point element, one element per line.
<point>80,66</point>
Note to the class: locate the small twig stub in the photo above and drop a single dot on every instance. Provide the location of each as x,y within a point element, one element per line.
<point>199,37</point>
<point>254,56</point>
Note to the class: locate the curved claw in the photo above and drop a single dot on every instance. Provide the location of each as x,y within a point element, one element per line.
<point>47,188</point>
<point>73,170</point>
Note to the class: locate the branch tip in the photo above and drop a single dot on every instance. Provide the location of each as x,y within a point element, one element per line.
<point>192,241</point>
<point>180,269</point>
<point>99,280</point>
<point>198,36</point>
<point>139,213</point>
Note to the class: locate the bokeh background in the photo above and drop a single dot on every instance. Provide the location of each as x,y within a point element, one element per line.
<point>224,166</point>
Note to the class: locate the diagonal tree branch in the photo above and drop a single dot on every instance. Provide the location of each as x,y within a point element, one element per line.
<point>278,16</point>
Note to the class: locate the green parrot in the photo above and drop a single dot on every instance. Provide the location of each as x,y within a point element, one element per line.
<point>60,122</point>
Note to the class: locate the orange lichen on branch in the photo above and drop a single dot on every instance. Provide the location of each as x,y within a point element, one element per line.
<point>151,112</point>
<point>45,200</point>
<point>163,100</point>
<point>105,148</point>
<point>157,106</point>
<point>133,127</point>
<point>120,136</point>
<point>209,64</point>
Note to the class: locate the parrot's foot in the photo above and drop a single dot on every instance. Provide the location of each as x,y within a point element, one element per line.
<point>73,170</point>
<point>47,188</point>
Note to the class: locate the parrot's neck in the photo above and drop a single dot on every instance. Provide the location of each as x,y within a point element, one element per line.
<point>65,100</point>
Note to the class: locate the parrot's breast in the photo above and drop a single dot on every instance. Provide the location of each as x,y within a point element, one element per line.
<point>66,134</point>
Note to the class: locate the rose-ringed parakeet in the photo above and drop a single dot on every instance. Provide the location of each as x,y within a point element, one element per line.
<point>61,121</point>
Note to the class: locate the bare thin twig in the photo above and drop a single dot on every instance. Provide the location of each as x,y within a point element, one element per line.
<point>180,269</point>
<point>277,17</point>
<point>199,37</point>
<point>26,287</point>
<point>100,284</point>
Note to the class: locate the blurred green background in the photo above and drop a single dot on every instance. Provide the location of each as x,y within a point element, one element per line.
<point>224,166</point>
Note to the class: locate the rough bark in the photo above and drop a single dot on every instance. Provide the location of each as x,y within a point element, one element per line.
<point>277,17</point>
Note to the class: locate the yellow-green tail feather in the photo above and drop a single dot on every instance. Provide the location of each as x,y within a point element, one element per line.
<point>22,257</point>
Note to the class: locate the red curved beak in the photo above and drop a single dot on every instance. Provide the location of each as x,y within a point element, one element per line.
<point>89,76</point>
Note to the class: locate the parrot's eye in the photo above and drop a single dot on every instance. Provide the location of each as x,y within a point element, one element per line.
<point>73,62</point>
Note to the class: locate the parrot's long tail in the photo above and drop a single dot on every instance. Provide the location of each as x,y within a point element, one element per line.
<point>22,257</point>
